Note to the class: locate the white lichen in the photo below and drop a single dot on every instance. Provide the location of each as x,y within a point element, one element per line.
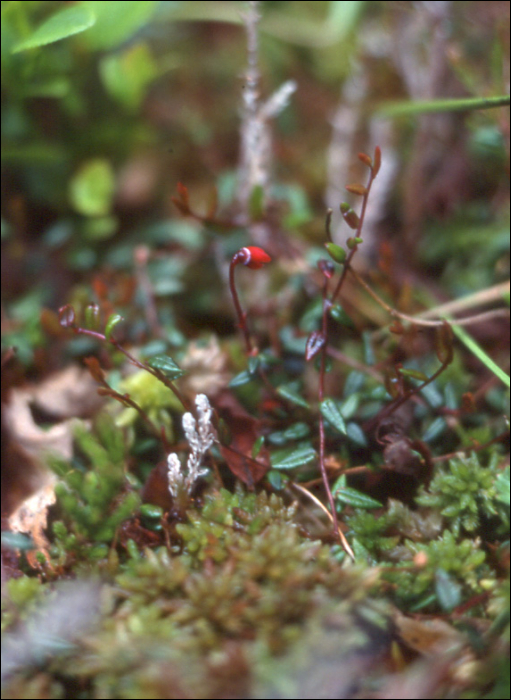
<point>200,436</point>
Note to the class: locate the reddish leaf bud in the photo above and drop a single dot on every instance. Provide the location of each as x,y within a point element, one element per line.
<point>376,161</point>
<point>365,159</point>
<point>349,216</point>
<point>352,242</point>
<point>315,342</point>
<point>183,193</point>
<point>357,189</point>
<point>67,316</point>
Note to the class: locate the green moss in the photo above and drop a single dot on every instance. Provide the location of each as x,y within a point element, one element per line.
<point>93,496</point>
<point>464,493</point>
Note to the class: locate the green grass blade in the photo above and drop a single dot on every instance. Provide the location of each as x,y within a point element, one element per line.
<point>406,108</point>
<point>471,344</point>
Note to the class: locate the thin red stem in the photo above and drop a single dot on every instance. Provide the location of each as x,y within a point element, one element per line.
<point>357,235</point>
<point>137,363</point>
<point>321,394</point>
<point>242,316</point>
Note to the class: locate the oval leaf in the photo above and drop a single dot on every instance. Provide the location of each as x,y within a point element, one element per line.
<point>336,252</point>
<point>112,322</point>
<point>166,365</point>
<point>241,379</point>
<point>331,412</point>
<point>413,374</point>
<point>352,497</point>
<point>357,189</point>
<point>356,434</point>
<point>289,392</point>
<point>70,21</point>
<point>294,457</point>
<point>91,188</point>
<point>376,161</point>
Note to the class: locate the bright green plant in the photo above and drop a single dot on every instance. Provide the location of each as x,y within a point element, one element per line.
<point>95,498</point>
<point>466,492</point>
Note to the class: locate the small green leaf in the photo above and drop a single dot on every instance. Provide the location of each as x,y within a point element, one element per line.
<point>435,429</point>
<point>148,510</point>
<point>350,405</point>
<point>256,447</point>
<point>91,188</point>
<point>356,499</point>
<point>296,431</point>
<point>70,21</point>
<point>166,365</point>
<point>352,242</point>
<point>340,315</point>
<point>241,379</point>
<point>356,434</point>
<point>92,317</point>
<point>276,479</point>
<point>448,592</point>
<point>290,392</point>
<point>331,412</point>
<point>293,457</point>
<point>413,373</point>
<point>253,363</point>
<point>502,487</point>
<point>117,21</point>
<point>112,322</point>
<point>335,251</point>
<point>16,540</point>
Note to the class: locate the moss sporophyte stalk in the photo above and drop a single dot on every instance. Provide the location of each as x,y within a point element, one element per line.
<point>254,258</point>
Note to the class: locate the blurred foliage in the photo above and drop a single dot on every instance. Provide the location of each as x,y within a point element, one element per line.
<point>106,107</point>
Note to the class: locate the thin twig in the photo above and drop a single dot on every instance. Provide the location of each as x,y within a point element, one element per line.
<point>419,320</point>
<point>344,541</point>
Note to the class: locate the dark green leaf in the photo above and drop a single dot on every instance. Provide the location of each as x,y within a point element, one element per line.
<point>256,447</point>
<point>340,315</point>
<point>16,540</point>
<point>148,510</point>
<point>356,434</point>
<point>253,363</point>
<point>331,412</point>
<point>293,457</point>
<point>290,392</point>
<point>296,431</point>
<point>435,429</point>
<point>276,479</point>
<point>241,379</point>
<point>165,365</point>
<point>502,486</point>
<point>352,497</point>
